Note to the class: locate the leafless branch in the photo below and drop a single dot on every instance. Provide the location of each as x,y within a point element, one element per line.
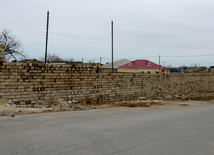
<point>13,47</point>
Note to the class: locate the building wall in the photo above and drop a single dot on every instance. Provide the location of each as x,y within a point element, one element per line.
<point>107,70</point>
<point>122,70</point>
<point>212,69</point>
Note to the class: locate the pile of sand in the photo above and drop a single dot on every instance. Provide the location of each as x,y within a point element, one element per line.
<point>7,107</point>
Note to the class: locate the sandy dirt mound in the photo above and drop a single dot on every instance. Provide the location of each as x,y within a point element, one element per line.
<point>55,105</point>
<point>51,105</point>
<point>140,103</point>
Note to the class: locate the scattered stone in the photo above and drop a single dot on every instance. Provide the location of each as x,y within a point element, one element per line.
<point>173,98</point>
<point>77,108</point>
<point>65,109</point>
<point>142,98</point>
<point>13,115</point>
<point>55,105</point>
<point>176,96</point>
<point>7,105</point>
<point>74,102</point>
<point>168,97</point>
<point>10,102</point>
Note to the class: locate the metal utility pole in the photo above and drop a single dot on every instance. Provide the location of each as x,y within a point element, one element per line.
<point>100,60</point>
<point>46,46</point>
<point>112,45</point>
<point>159,63</point>
<point>163,68</point>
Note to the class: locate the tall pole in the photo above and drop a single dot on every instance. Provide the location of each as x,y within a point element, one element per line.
<point>112,45</point>
<point>100,60</point>
<point>46,46</point>
<point>163,68</point>
<point>159,63</point>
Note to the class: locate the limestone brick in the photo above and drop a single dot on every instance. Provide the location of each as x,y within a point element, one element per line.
<point>2,53</point>
<point>21,82</point>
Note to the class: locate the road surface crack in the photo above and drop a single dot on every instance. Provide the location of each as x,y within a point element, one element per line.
<point>147,142</point>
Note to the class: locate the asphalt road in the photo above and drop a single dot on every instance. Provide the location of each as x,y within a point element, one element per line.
<point>188,130</point>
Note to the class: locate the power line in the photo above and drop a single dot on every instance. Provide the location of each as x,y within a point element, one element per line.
<point>190,55</point>
<point>157,56</point>
<point>134,58</point>
<point>164,56</point>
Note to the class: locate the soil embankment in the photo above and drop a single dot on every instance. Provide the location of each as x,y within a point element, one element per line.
<point>8,108</point>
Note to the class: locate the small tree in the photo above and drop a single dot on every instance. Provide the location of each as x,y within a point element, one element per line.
<point>92,61</point>
<point>168,66</point>
<point>13,47</point>
<point>55,58</point>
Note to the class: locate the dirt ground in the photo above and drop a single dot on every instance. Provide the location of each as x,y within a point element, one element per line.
<point>8,108</point>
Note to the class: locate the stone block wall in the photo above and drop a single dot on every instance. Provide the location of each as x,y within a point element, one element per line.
<point>2,53</point>
<point>25,83</point>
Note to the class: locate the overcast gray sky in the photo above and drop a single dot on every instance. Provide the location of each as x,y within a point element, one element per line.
<point>143,29</point>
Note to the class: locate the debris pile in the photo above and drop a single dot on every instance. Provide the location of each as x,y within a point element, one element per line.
<point>52,104</point>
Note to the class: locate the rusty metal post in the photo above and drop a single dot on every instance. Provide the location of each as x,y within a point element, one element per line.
<point>159,63</point>
<point>112,45</point>
<point>46,45</point>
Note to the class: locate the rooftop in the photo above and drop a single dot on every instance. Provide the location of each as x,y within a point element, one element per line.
<point>141,64</point>
<point>116,64</point>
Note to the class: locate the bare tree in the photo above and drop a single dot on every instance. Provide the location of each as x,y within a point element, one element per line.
<point>92,61</point>
<point>168,66</point>
<point>183,67</point>
<point>52,58</point>
<point>55,58</point>
<point>13,47</point>
<point>69,60</point>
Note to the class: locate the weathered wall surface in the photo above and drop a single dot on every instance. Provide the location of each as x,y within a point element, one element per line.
<point>2,54</point>
<point>27,83</point>
<point>127,70</point>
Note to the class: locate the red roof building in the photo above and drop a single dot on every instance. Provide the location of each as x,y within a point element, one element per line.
<point>140,66</point>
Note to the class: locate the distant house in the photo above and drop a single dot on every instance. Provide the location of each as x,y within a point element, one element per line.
<point>140,66</point>
<point>108,67</point>
<point>212,69</point>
